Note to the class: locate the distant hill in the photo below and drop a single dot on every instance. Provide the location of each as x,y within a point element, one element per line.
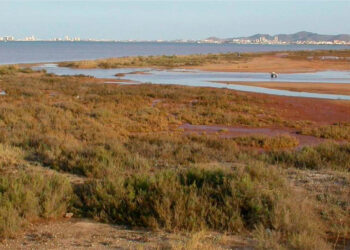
<point>300,36</point>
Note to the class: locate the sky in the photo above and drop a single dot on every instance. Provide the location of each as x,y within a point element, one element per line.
<point>170,19</point>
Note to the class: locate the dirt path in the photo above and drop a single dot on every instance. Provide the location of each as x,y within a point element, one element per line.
<point>87,234</point>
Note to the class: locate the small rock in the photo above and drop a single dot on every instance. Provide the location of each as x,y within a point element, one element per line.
<point>68,215</point>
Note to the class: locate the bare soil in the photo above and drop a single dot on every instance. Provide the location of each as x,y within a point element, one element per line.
<point>322,88</point>
<point>87,234</point>
<point>276,63</point>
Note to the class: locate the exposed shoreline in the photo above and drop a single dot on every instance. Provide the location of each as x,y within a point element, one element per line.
<point>275,64</point>
<point>280,62</point>
<point>320,88</point>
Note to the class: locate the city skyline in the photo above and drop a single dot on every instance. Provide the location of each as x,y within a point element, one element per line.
<point>305,38</point>
<point>169,20</point>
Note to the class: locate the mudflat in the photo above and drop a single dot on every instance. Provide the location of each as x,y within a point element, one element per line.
<point>269,63</point>
<point>322,88</point>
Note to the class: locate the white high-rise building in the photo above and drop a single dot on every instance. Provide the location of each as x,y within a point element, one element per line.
<point>30,38</point>
<point>9,38</point>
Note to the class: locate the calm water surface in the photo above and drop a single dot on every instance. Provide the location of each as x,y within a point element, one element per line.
<point>213,79</point>
<point>34,52</point>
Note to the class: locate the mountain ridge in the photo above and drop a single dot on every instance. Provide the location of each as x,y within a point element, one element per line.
<point>299,36</point>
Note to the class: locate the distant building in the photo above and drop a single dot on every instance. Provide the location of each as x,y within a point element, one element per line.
<point>263,40</point>
<point>29,38</point>
<point>9,38</point>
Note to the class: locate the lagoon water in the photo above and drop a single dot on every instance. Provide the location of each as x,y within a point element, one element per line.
<point>198,78</point>
<point>35,52</point>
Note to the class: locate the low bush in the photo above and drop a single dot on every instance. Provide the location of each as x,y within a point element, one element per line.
<point>174,150</point>
<point>202,199</point>
<point>324,156</point>
<point>267,142</point>
<point>339,131</point>
<point>89,159</point>
<point>8,69</point>
<point>186,200</point>
<point>158,61</point>
<point>26,197</point>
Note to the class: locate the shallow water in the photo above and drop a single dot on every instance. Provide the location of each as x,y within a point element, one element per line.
<point>213,79</point>
<point>36,52</point>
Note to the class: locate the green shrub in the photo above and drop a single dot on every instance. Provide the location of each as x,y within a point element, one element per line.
<point>93,160</point>
<point>195,199</point>
<point>267,142</point>
<point>189,200</point>
<point>158,61</point>
<point>8,69</point>
<point>339,131</point>
<point>27,197</point>
<point>324,156</point>
<point>173,150</point>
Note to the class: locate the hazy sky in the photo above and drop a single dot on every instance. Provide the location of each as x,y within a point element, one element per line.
<point>170,19</point>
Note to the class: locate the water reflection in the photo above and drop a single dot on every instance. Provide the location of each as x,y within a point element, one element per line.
<point>212,79</point>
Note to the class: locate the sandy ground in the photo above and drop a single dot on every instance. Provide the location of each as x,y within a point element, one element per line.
<point>270,63</point>
<point>323,88</point>
<point>87,234</point>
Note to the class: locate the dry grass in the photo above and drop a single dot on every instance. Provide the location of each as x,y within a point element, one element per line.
<point>339,131</point>
<point>218,199</point>
<point>26,198</point>
<point>145,172</point>
<point>324,156</point>
<point>159,61</point>
<point>267,142</point>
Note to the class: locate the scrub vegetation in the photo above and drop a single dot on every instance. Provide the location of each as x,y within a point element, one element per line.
<point>340,131</point>
<point>160,61</point>
<point>174,61</point>
<point>141,169</point>
<point>28,197</point>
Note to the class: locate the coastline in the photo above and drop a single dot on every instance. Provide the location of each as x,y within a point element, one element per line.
<point>266,64</point>
<point>321,88</point>
<point>277,61</point>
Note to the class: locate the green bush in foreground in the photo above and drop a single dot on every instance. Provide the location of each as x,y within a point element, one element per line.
<point>27,197</point>
<point>197,199</point>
